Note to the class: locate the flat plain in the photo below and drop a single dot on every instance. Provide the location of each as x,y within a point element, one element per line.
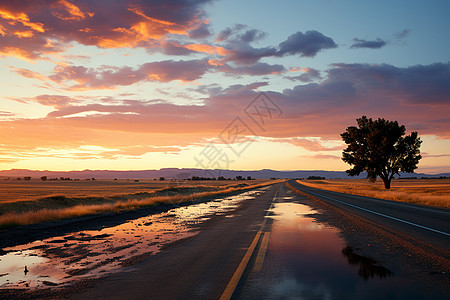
<point>27,202</point>
<point>433,192</point>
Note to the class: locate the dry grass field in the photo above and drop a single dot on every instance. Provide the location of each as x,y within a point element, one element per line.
<point>29,202</point>
<point>434,192</point>
<point>13,190</point>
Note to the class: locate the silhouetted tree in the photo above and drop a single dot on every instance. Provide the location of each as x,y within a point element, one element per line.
<point>379,148</point>
<point>162,178</point>
<point>44,178</point>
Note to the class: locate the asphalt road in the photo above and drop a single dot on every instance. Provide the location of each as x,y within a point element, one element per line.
<point>199,268</point>
<point>228,259</point>
<point>427,224</point>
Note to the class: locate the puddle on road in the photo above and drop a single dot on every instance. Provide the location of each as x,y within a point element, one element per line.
<point>308,260</point>
<point>59,260</point>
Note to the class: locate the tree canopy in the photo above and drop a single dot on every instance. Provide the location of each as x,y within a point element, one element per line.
<point>379,148</point>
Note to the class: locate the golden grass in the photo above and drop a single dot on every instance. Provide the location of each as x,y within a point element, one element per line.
<point>433,192</point>
<point>21,197</point>
<point>13,190</point>
<point>125,202</point>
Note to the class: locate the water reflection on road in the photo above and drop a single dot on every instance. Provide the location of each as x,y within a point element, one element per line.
<point>307,259</point>
<point>60,260</point>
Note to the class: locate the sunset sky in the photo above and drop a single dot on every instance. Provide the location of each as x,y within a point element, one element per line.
<point>133,85</point>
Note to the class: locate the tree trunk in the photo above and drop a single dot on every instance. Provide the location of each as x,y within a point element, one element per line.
<point>387,183</point>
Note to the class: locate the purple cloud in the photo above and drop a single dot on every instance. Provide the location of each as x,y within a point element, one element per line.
<point>109,77</point>
<point>376,44</point>
<point>200,32</point>
<point>174,48</point>
<point>306,44</point>
<point>252,35</point>
<point>415,85</point>
<point>228,32</point>
<point>255,69</point>
<point>401,35</point>
<point>309,75</point>
<point>244,54</point>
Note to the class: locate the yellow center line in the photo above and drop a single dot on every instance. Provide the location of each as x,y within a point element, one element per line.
<point>262,252</point>
<point>229,290</point>
<point>265,241</point>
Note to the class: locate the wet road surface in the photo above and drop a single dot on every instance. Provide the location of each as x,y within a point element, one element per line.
<point>430,224</point>
<point>59,260</point>
<point>306,259</point>
<point>266,246</point>
<point>198,268</point>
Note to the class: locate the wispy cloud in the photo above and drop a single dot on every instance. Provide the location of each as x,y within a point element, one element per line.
<point>371,44</point>
<point>308,75</point>
<point>312,145</point>
<point>255,69</point>
<point>402,35</point>
<point>321,156</point>
<point>110,77</point>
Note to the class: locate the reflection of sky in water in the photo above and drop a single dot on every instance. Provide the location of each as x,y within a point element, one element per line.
<point>58,260</point>
<point>293,231</point>
<point>308,260</point>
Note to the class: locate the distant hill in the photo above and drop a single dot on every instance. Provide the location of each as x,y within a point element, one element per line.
<point>175,173</point>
